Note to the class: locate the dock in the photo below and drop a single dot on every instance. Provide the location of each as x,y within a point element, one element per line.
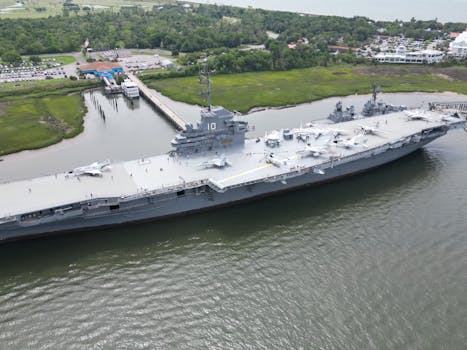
<point>153,99</point>
<point>111,86</point>
<point>460,106</point>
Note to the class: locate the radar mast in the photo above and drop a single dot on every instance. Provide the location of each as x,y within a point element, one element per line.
<point>205,82</point>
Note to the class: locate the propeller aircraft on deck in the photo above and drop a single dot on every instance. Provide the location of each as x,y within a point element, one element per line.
<point>272,159</point>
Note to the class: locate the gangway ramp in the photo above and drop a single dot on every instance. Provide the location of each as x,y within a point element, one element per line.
<point>111,85</point>
<point>152,98</point>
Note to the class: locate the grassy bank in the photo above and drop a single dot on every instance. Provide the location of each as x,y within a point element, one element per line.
<point>41,113</point>
<point>243,92</point>
<point>40,88</point>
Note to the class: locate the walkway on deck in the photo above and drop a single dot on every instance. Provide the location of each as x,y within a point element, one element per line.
<point>152,98</point>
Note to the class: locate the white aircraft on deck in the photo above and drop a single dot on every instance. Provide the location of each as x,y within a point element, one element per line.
<point>417,115</point>
<point>350,143</point>
<point>450,118</point>
<point>272,159</point>
<point>94,169</point>
<point>311,151</point>
<point>369,130</point>
<point>218,162</point>
<point>304,133</point>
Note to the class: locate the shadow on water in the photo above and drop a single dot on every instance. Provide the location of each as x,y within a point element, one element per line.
<point>223,225</point>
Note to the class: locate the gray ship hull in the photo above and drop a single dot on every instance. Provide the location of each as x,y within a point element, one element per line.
<point>197,199</point>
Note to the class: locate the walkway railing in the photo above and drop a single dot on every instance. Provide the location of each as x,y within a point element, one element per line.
<point>152,98</point>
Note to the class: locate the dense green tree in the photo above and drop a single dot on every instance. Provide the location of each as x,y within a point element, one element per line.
<point>205,27</point>
<point>12,57</point>
<point>35,60</point>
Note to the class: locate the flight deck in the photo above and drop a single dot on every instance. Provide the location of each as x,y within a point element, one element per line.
<point>318,146</point>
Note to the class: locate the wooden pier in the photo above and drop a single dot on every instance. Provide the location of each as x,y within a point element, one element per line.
<point>458,106</point>
<point>152,98</point>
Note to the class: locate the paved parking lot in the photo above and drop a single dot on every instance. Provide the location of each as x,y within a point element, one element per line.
<point>145,59</point>
<point>10,75</point>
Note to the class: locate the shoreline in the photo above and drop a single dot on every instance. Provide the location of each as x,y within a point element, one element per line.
<point>274,108</point>
<point>40,115</point>
<point>75,134</point>
<point>252,91</point>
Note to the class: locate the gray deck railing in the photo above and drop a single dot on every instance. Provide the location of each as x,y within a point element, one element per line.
<point>457,105</point>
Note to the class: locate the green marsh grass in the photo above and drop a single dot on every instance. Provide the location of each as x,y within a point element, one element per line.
<point>40,114</point>
<point>245,91</point>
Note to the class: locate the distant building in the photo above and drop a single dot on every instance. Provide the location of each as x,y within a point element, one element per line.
<point>403,56</point>
<point>458,48</point>
<point>101,69</point>
<point>300,41</point>
<point>341,49</point>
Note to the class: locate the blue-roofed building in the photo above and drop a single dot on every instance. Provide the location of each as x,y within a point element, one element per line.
<point>102,69</point>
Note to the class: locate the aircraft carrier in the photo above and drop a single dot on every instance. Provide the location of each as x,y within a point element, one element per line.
<point>212,164</point>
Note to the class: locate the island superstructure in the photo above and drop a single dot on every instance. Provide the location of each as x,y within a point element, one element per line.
<point>212,164</point>
<point>371,108</point>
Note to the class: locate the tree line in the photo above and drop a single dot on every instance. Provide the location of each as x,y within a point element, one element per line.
<point>278,57</point>
<point>198,28</point>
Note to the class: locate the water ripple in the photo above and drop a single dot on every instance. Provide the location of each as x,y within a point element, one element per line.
<point>374,262</point>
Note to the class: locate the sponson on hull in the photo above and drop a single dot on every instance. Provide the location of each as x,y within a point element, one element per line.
<point>212,165</point>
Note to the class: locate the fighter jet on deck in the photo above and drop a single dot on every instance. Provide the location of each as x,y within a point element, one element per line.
<point>94,169</point>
